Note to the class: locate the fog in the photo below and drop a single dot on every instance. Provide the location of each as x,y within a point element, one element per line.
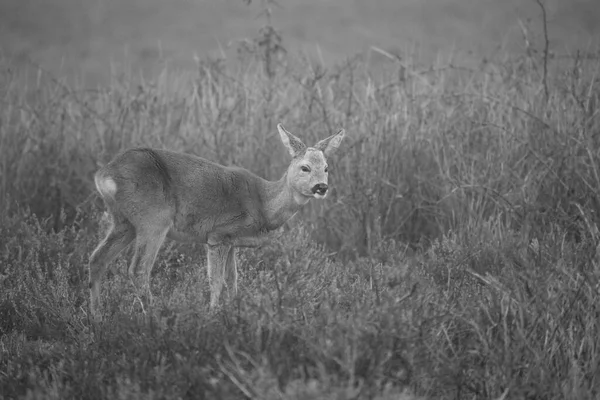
<point>84,37</point>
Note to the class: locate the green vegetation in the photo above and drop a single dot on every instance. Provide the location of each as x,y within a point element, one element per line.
<point>455,259</point>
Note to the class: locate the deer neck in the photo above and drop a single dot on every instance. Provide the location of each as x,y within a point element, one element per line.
<point>281,202</point>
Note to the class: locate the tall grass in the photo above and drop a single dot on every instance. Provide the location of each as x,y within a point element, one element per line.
<point>456,257</point>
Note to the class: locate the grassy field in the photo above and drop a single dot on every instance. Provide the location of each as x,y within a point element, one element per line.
<point>456,258</point>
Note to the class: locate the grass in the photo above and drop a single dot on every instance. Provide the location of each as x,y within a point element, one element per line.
<point>455,259</point>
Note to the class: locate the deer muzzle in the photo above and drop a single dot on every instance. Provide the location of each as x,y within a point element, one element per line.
<point>320,189</point>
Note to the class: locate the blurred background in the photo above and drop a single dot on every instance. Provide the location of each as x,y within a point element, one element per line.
<point>81,38</point>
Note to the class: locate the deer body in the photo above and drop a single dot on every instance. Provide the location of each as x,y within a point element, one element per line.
<point>233,202</point>
<point>154,194</point>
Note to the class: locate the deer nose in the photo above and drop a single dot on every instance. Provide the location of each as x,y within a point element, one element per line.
<point>320,188</point>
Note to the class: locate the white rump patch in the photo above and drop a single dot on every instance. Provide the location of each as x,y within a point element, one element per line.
<point>106,186</point>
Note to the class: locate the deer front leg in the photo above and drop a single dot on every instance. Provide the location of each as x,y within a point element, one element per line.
<point>271,238</point>
<point>265,239</point>
<point>231,274</point>
<point>221,270</point>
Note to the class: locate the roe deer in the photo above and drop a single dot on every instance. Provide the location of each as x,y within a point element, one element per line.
<point>154,194</point>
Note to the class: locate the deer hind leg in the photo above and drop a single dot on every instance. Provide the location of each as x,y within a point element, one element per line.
<point>147,245</point>
<point>120,234</point>
<point>221,270</point>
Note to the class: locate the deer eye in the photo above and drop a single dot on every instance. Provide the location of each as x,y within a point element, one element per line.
<point>304,168</point>
<point>326,169</point>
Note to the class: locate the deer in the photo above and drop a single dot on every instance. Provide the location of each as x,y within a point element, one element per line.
<point>153,194</point>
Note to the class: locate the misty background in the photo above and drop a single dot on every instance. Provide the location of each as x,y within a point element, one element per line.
<point>83,37</point>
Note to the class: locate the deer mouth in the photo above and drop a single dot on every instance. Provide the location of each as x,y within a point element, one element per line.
<point>320,190</point>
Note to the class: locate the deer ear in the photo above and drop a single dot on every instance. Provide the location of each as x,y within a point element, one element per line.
<point>291,142</point>
<point>329,145</point>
